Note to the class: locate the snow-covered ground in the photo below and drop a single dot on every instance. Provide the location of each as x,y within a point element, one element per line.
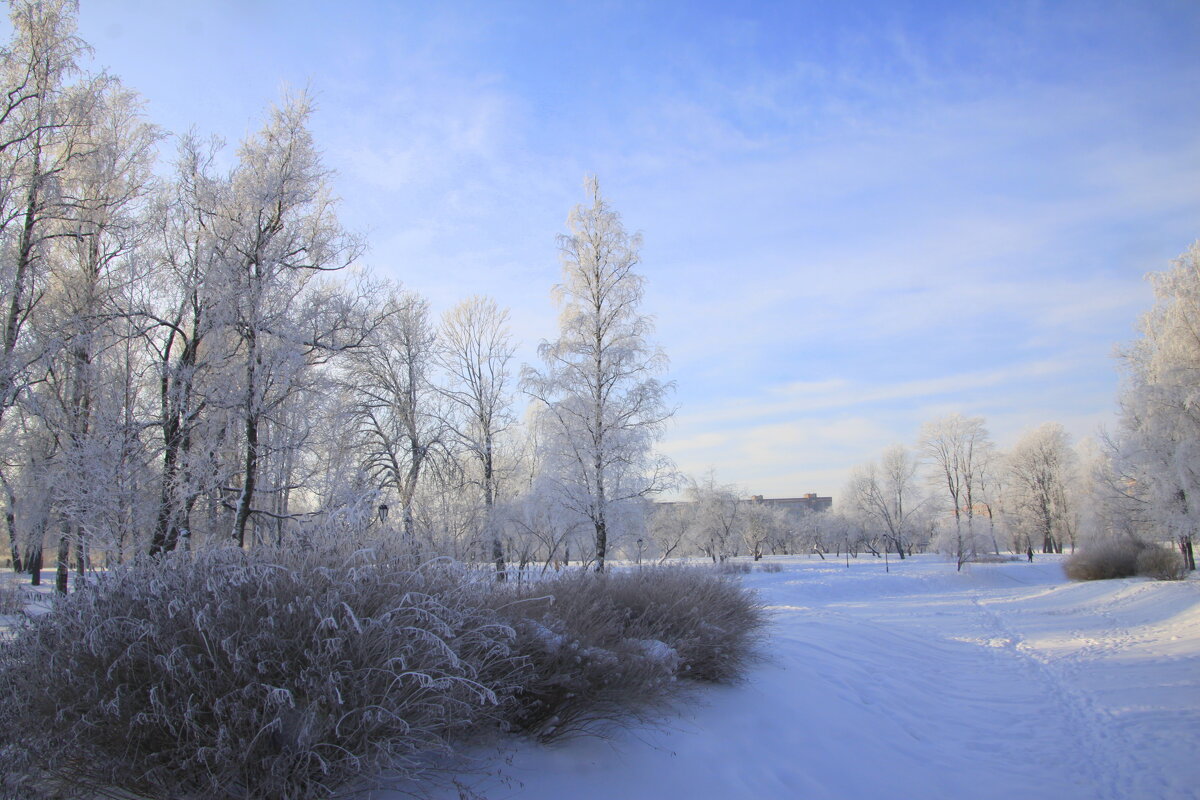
<point>1005,681</point>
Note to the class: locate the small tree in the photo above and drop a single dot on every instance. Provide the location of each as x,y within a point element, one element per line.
<point>959,450</point>
<point>886,494</point>
<point>717,518</point>
<point>1040,469</point>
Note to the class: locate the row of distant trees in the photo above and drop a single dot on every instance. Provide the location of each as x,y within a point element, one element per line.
<point>957,492</point>
<point>192,354</point>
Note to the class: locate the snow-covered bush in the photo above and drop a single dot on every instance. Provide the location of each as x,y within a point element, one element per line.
<point>1124,558</point>
<point>286,676</point>
<point>713,623</point>
<point>587,675</point>
<point>609,647</point>
<point>12,602</point>
<point>1103,560</point>
<point>1161,563</point>
<point>265,675</point>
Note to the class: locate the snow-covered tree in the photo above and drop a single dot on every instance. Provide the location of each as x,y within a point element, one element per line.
<point>717,518</point>
<point>96,239</point>
<point>1040,470</point>
<point>475,349</point>
<point>765,527</point>
<point>1160,404</point>
<point>959,451</point>
<point>187,309</point>
<point>886,493</point>
<point>277,233</point>
<point>668,530</point>
<point>605,406</point>
<point>1107,501</point>
<point>43,127</point>
<point>398,409</point>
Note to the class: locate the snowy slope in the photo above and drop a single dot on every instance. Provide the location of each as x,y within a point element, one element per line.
<point>1005,681</point>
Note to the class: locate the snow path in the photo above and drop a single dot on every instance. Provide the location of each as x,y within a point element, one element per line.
<point>1004,681</point>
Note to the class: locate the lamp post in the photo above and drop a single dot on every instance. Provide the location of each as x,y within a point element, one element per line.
<point>639,561</point>
<point>383,513</point>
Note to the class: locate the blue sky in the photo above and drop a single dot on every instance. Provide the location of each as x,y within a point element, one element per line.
<point>857,216</point>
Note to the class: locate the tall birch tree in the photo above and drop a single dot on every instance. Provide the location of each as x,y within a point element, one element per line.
<point>42,119</point>
<point>1160,405</point>
<point>475,351</point>
<point>605,404</point>
<point>279,231</point>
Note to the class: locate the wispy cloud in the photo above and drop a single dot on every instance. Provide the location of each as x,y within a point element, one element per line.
<point>857,216</point>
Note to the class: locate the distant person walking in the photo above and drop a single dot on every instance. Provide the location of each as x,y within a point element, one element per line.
<point>1029,552</point>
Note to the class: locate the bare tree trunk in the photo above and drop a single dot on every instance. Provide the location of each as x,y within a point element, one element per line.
<point>166,527</point>
<point>166,532</point>
<point>601,544</point>
<point>249,481</point>
<point>10,525</point>
<point>33,562</point>
<point>250,462</point>
<point>61,563</point>
<point>489,508</point>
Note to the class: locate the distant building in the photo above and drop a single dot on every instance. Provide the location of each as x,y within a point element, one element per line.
<point>808,502</point>
<point>804,503</point>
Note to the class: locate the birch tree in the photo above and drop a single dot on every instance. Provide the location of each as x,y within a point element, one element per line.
<point>886,493</point>
<point>41,118</point>
<point>1160,404</point>
<point>187,308</point>
<point>959,450</point>
<point>97,238</point>
<point>475,350</point>
<point>278,232</point>
<point>605,404</point>
<point>1039,470</point>
<point>396,405</point>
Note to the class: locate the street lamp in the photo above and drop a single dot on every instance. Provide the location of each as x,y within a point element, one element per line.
<point>383,512</point>
<point>639,552</point>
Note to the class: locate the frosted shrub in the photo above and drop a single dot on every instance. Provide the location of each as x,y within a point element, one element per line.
<point>234,675</point>
<point>1161,563</point>
<point>282,676</point>
<point>770,566</point>
<point>1104,560</point>
<point>713,622</point>
<point>605,648</point>
<point>1124,559</point>
<point>12,602</point>
<point>732,568</point>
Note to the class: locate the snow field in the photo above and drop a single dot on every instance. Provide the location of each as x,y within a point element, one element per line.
<point>1003,681</point>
